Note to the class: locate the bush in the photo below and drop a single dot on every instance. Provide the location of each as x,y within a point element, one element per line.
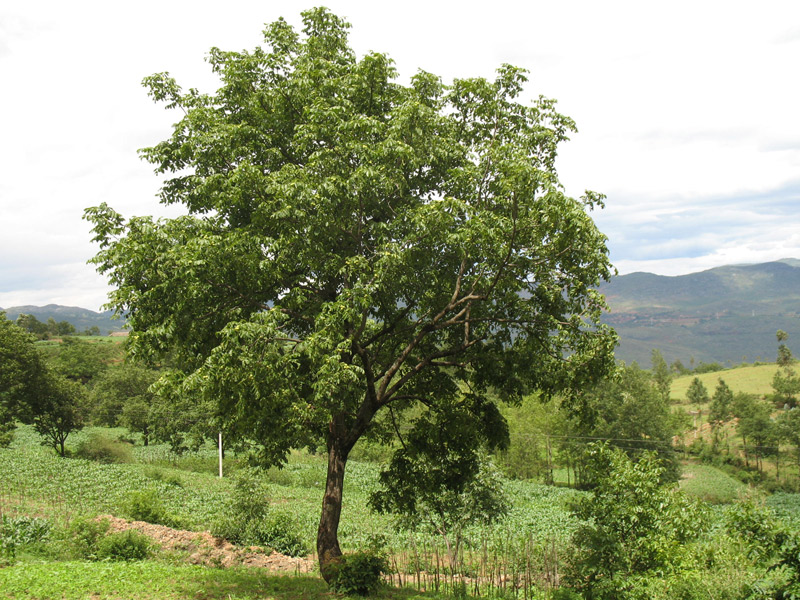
<point>358,573</point>
<point>145,505</point>
<point>275,529</point>
<point>157,474</point>
<point>279,531</point>
<point>126,545</point>
<point>756,525</point>
<point>249,521</point>
<point>85,535</point>
<point>101,448</point>
<point>248,506</point>
<point>633,525</point>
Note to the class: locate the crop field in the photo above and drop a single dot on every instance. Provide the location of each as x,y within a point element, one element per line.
<point>35,482</point>
<point>711,485</point>
<point>521,555</point>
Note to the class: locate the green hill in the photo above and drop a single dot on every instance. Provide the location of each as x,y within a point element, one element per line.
<point>80,318</point>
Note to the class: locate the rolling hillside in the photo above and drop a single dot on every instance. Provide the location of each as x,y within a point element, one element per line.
<point>81,318</point>
<point>729,314</point>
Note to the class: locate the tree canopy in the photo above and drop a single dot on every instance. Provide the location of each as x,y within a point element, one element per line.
<point>22,375</point>
<point>354,247</point>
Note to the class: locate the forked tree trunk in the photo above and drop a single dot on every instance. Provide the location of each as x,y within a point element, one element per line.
<point>328,533</point>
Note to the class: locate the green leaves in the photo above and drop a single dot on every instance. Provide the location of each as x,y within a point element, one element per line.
<point>634,523</point>
<point>355,244</point>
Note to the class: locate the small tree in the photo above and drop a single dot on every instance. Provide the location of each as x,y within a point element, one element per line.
<point>697,392</point>
<point>786,381</point>
<point>58,411</point>
<point>631,412</point>
<point>756,428</point>
<point>662,376</point>
<point>789,425</point>
<point>32,325</point>
<point>633,523</point>
<point>122,396</point>
<point>721,410</point>
<point>784,354</point>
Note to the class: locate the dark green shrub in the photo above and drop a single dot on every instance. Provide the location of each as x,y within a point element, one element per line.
<point>279,531</point>
<point>275,529</point>
<point>101,448</point>
<point>145,505</point>
<point>85,534</point>
<point>358,573</point>
<point>126,545</point>
<point>157,474</point>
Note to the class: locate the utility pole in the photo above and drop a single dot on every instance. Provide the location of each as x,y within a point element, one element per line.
<point>220,454</point>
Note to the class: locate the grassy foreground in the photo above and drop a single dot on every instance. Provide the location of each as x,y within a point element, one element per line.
<point>156,580</point>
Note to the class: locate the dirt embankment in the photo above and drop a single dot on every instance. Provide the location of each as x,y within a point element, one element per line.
<point>205,549</point>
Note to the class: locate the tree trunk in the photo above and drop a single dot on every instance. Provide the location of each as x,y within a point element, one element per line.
<point>328,532</point>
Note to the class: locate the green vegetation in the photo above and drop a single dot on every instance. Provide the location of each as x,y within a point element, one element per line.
<point>634,526</point>
<point>531,542</point>
<point>711,485</point>
<point>750,379</point>
<point>370,269</point>
<point>152,580</point>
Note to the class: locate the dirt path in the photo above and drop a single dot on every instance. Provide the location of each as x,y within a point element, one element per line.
<point>205,549</point>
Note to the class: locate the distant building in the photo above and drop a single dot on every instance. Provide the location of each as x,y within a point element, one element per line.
<point>119,334</point>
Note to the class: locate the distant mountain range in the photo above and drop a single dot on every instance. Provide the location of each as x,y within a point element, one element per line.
<point>81,318</point>
<point>726,314</point>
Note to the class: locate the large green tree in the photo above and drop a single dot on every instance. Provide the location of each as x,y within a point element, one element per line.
<point>355,247</point>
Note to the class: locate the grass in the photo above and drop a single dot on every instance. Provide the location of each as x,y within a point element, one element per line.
<point>751,379</point>
<point>159,580</point>
<point>33,480</point>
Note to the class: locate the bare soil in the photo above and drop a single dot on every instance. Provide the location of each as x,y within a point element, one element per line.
<point>205,549</point>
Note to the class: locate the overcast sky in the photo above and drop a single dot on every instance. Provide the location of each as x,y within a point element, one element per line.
<point>688,115</point>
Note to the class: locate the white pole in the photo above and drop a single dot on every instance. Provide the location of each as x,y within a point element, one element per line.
<point>220,454</point>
